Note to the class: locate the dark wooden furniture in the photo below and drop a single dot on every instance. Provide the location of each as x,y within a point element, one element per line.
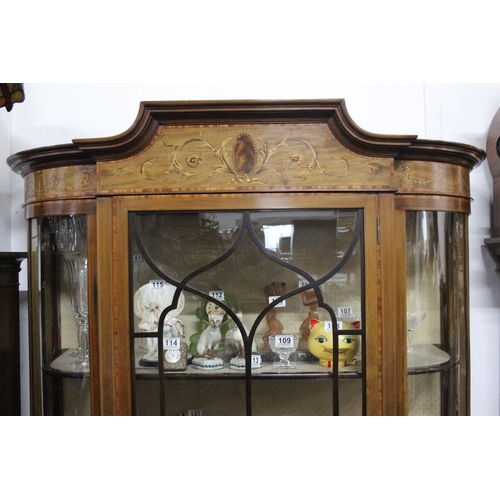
<point>10,383</point>
<point>493,155</point>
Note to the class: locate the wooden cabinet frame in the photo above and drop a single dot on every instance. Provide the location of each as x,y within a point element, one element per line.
<point>161,163</point>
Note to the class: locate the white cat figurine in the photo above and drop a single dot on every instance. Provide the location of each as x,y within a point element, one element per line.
<point>210,338</point>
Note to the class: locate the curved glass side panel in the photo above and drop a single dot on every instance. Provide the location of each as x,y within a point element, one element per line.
<point>436,311</point>
<point>231,298</point>
<point>61,326</point>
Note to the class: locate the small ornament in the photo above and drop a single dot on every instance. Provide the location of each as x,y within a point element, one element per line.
<point>235,343</point>
<point>275,289</point>
<point>321,345</point>
<point>149,302</point>
<point>208,343</point>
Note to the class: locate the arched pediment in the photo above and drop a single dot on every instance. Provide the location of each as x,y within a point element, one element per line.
<point>227,146</point>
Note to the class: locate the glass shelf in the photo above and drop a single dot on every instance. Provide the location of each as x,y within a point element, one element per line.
<point>63,366</point>
<point>427,358</point>
<point>304,369</point>
<point>423,359</point>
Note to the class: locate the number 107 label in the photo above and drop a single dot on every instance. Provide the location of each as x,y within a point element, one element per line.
<point>345,311</point>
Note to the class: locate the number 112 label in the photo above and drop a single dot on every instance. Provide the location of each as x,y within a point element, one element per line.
<point>217,294</point>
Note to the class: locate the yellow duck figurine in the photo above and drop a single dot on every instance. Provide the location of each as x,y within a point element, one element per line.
<point>320,344</point>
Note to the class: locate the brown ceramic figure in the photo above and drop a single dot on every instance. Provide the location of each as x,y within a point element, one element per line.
<point>310,300</point>
<point>273,323</point>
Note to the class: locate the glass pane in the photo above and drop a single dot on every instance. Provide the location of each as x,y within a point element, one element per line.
<point>436,311</point>
<point>61,299</point>
<point>224,288</point>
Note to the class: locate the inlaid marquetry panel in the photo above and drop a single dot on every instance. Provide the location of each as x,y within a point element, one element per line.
<point>59,183</point>
<point>431,177</point>
<point>244,158</point>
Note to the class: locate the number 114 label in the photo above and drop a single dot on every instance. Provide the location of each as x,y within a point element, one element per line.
<point>172,343</point>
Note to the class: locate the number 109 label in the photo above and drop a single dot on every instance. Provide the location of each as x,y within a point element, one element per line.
<point>284,340</point>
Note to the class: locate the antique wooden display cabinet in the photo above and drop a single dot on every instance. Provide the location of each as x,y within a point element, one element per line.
<point>248,258</point>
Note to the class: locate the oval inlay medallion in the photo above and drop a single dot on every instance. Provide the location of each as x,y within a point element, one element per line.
<point>244,155</point>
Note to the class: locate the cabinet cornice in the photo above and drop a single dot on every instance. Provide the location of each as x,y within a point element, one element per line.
<point>155,114</point>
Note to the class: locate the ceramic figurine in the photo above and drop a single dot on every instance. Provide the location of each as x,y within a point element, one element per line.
<point>320,344</point>
<point>348,348</point>
<point>275,327</point>
<point>234,338</point>
<point>148,305</point>
<point>203,323</point>
<point>208,343</point>
<point>310,300</point>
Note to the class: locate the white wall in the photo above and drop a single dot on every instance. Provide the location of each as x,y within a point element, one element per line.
<point>5,179</point>
<point>57,113</point>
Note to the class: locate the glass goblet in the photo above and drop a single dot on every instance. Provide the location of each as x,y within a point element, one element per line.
<point>413,319</point>
<point>283,346</point>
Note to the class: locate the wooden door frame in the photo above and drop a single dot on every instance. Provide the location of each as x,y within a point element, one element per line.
<point>123,205</point>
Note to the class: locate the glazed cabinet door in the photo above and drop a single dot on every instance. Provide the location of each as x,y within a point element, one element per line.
<point>437,312</point>
<point>254,306</point>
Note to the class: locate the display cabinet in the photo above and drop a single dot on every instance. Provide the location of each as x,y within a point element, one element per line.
<point>249,258</point>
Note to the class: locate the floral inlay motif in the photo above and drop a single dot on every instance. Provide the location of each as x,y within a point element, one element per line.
<point>296,158</point>
<point>194,160</point>
<point>244,158</point>
<point>424,177</point>
<point>47,182</point>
